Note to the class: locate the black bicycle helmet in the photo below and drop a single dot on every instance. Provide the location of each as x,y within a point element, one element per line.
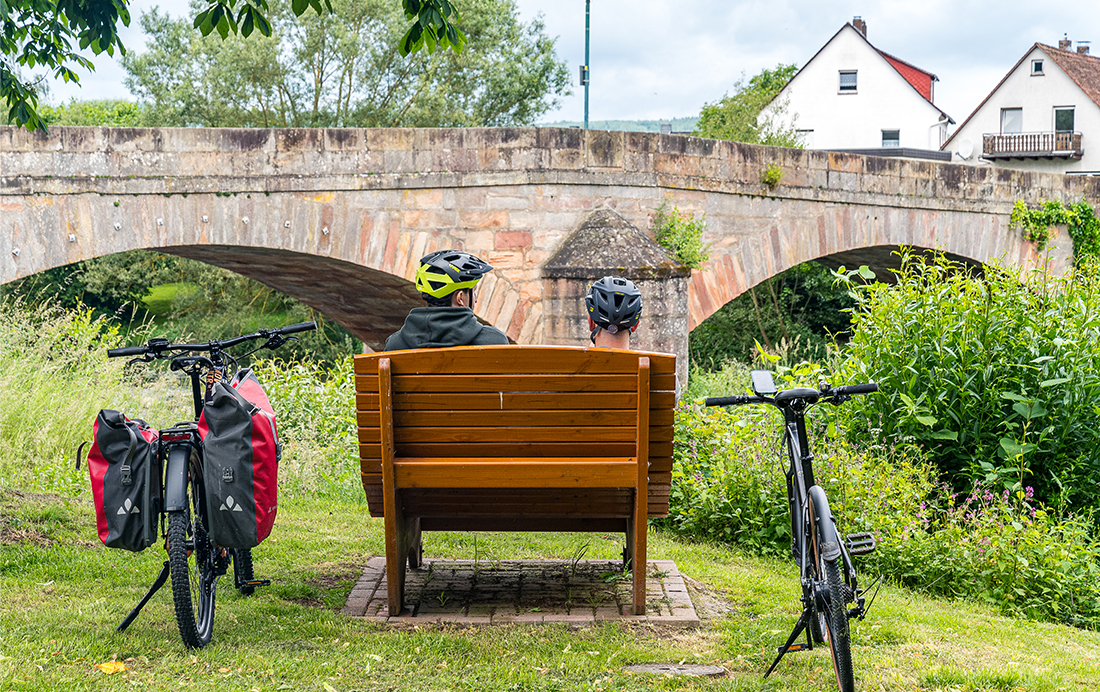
<point>443,272</point>
<point>614,304</point>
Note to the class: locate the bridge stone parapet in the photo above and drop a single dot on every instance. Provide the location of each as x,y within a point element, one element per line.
<point>338,218</point>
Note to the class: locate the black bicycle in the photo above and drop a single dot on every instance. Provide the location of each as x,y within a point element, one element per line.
<point>827,574</point>
<point>194,563</point>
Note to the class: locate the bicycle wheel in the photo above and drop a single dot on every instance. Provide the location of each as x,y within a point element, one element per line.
<point>242,570</point>
<point>191,565</point>
<point>832,622</point>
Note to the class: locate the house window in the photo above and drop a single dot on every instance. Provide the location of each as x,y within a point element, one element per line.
<point>806,137</point>
<point>891,139</point>
<point>1036,67</point>
<point>848,82</point>
<point>1012,121</point>
<point>1063,119</point>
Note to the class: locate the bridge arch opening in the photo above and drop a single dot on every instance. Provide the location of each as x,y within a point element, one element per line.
<point>369,304</point>
<point>798,312</point>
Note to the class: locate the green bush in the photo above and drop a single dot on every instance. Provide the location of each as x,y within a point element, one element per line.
<point>681,234</point>
<point>315,411</point>
<point>729,484</point>
<point>1000,548</point>
<point>997,379</point>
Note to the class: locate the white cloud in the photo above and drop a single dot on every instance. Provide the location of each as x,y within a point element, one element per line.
<point>666,58</point>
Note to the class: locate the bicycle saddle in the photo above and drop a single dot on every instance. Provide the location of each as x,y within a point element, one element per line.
<point>809,395</point>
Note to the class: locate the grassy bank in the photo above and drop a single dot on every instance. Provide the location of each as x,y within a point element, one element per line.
<point>63,595</point>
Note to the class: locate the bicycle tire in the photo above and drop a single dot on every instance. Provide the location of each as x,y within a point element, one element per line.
<point>834,620</point>
<point>191,566</point>
<point>242,570</point>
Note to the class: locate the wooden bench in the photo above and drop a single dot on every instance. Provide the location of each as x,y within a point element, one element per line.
<point>514,438</point>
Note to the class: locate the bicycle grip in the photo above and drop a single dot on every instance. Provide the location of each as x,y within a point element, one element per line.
<point>724,400</point>
<point>300,327</point>
<point>869,388</point>
<point>125,351</point>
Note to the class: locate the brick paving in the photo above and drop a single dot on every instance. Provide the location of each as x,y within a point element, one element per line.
<point>465,592</point>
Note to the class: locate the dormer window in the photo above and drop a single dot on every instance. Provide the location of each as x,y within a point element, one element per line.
<point>1036,68</point>
<point>847,81</point>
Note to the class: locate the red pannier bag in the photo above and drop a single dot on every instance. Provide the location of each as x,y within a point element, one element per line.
<point>240,462</point>
<point>124,467</point>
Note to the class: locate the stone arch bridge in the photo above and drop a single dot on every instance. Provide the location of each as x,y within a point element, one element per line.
<point>338,217</point>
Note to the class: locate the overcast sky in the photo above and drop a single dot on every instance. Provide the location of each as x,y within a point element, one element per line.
<point>658,59</point>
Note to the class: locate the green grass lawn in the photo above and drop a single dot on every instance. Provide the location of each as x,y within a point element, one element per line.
<point>63,594</point>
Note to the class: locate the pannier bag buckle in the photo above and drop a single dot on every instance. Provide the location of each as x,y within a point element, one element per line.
<point>227,475</point>
<point>127,479</point>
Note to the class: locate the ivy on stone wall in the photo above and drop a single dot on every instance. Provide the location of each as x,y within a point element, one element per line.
<point>1079,220</point>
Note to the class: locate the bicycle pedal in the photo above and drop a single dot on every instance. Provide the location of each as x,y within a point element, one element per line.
<point>799,646</point>
<point>859,543</point>
<point>257,582</point>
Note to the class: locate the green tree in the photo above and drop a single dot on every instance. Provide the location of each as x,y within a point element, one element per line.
<point>339,70</point>
<point>43,32</point>
<point>741,117</point>
<point>798,312</point>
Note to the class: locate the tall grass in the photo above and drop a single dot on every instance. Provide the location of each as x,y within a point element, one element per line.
<point>54,378</point>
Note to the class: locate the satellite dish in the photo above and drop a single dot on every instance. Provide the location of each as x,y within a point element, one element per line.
<point>966,149</point>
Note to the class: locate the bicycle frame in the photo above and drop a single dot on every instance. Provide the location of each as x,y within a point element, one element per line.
<point>180,457</point>
<point>827,577</point>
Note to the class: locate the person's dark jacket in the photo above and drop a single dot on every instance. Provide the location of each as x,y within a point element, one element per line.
<point>438,327</point>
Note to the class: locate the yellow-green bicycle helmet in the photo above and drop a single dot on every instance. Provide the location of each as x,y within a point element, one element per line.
<point>445,271</point>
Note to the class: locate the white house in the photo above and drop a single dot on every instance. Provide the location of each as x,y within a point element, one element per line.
<point>1044,115</point>
<point>852,96</point>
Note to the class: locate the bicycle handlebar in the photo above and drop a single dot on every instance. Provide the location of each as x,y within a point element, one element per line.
<point>300,327</point>
<point>160,347</point>
<point>834,395</point>
<point>851,389</point>
<point>125,351</point>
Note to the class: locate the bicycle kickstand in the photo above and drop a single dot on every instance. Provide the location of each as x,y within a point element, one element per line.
<point>790,646</point>
<point>161,578</point>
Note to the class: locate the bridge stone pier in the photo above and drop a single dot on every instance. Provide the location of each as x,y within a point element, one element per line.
<point>338,217</point>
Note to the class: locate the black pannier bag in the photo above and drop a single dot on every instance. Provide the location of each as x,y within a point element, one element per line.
<point>124,466</point>
<point>241,462</point>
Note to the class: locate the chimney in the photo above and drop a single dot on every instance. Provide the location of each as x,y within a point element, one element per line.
<point>1065,43</point>
<point>1083,47</point>
<point>860,25</point>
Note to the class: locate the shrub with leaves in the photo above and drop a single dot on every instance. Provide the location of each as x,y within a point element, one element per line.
<point>681,234</point>
<point>1000,548</point>
<point>996,377</point>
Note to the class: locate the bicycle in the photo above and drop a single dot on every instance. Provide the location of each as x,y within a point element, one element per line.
<point>828,577</point>
<point>194,563</point>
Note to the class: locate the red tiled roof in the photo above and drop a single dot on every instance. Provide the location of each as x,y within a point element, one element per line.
<point>1082,68</point>
<point>920,79</point>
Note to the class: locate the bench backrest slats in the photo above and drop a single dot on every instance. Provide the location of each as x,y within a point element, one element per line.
<point>504,402</point>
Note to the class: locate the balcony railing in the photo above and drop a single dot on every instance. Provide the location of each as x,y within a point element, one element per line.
<point>1032,145</point>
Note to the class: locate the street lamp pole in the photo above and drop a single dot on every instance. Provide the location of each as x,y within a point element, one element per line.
<point>587,8</point>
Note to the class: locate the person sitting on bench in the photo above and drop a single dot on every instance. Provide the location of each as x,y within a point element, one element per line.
<point>614,310</point>
<point>446,281</point>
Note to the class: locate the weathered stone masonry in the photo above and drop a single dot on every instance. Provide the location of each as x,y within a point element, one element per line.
<point>338,218</point>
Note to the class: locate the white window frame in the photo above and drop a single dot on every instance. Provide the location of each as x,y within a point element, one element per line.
<point>1037,68</point>
<point>1002,123</point>
<point>840,82</point>
<point>891,146</point>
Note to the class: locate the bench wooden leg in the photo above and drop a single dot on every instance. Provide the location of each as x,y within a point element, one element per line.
<point>395,561</point>
<point>416,545</point>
